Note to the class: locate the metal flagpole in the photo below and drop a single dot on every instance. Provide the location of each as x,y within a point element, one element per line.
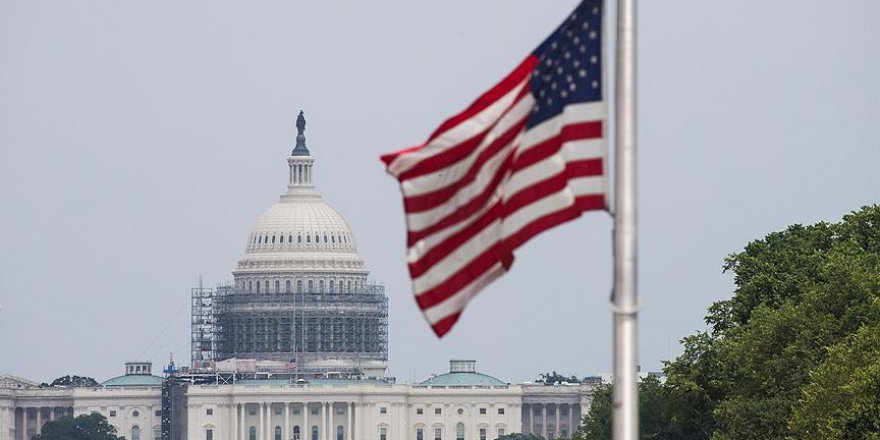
<point>625,425</point>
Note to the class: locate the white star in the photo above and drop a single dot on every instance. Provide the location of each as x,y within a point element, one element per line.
<point>567,55</point>
<point>549,101</point>
<point>568,79</point>
<point>595,10</point>
<point>592,35</point>
<point>542,93</point>
<point>571,87</point>
<point>574,16</point>
<point>576,40</point>
<point>548,63</point>
<point>583,49</point>
<point>577,63</point>
<point>595,84</point>
<point>559,70</point>
<point>569,34</point>
<point>582,73</point>
<point>553,85</point>
<point>564,94</point>
<point>536,109</point>
<point>594,59</point>
<point>553,45</point>
<point>586,25</point>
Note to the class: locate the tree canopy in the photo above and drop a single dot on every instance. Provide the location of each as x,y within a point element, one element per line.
<point>72,381</point>
<point>793,354</point>
<point>554,378</point>
<point>93,426</point>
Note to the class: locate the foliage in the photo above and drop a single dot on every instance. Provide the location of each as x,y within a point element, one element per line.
<point>519,436</point>
<point>84,427</point>
<point>554,378</point>
<point>800,294</point>
<point>73,381</point>
<point>653,413</point>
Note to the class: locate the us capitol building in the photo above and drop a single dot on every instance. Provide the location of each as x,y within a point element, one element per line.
<point>297,349</point>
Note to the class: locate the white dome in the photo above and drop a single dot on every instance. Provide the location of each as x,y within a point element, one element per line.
<point>300,233</point>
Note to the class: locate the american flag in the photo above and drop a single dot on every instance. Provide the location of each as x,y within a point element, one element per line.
<point>527,155</point>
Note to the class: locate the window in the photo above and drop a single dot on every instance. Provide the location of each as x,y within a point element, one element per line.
<point>314,433</point>
<point>209,412</point>
<point>315,411</point>
<point>321,286</point>
<point>209,434</point>
<point>482,411</point>
<point>135,413</point>
<point>460,411</point>
<point>287,286</point>
<point>340,410</point>
<point>482,433</point>
<point>296,432</point>
<point>325,239</point>
<point>459,431</point>
<point>277,433</point>
<point>252,433</point>
<point>383,433</point>
<point>420,411</point>
<point>135,432</point>
<point>348,286</point>
<point>252,411</point>
<point>273,239</point>
<point>383,410</point>
<point>308,238</point>
<point>112,413</point>
<point>332,287</point>
<point>420,434</point>
<point>438,433</point>
<point>340,433</point>
<point>438,411</point>
<point>311,286</point>
<point>157,433</point>
<point>299,286</point>
<point>277,286</point>
<point>278,410</point>
<point>290,238</point>
<point>258,287</point>
<point>299,238</point>
<point>500,432</point>
<point>158,413</point>
<point>500,411</point>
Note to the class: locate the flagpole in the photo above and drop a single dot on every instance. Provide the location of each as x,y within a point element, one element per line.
<point>625,424</point>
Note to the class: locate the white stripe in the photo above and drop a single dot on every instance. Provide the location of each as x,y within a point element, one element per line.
<point>453,173</point>
<point>585,186</point>
<point>422,220</point>
<point>423,246</point>
<point>455,135</point>
<point>589,111</point>
<point>456,302</point>
<point>541,207</point>
<point>459,258</point>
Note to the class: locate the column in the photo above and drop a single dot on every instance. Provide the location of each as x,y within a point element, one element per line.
<point>306,431</point>
<point>39,425</point>
<point>349,407</point>
<point>287,433</point>
<point>323,432</point>
<point>557,429</point>
<point>571,427</point>
<point>331,433</point>
<point>241,425</point>
<point>262,424</point>
<point>544,418</point>
<point>234,433</point>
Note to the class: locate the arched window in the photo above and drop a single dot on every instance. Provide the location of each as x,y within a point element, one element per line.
<point>340,433</point>
<point>209,434</point>
<point>135,432</point>
<point>277,286</point>
<point>299,286</point>
<point>308,238</point>
<point>258,287</point>
<point>317,238</point>
<point>325,238</point>
<point>311,286</point>
<point>459,431</point>
<point>314,433</point>
<point>277,433</point>
<point>273,239</point>
<point>331,286</point>
<point>157,433</point>
<point>290,238</point>
<point>348,286</point>
<point>250,286</point>
<point>282,238</point>
<point>299,238</point>
<point>252,433</point>
<point>296,432</point>
<point>383,433</point>
<point>333,239</point>
<point>287,286</point>
<point>321,286</point>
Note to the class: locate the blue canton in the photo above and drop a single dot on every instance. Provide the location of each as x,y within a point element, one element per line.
<point>570,64</point>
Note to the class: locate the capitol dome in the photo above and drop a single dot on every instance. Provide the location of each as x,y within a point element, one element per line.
<point>301,296</point>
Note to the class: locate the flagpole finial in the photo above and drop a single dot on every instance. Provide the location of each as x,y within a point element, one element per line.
<point>300,149</point>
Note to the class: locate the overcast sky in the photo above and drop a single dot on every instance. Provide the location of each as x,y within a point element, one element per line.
<point>139,141</point>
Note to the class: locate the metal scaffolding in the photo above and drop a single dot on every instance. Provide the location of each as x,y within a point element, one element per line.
<point>300,328</point>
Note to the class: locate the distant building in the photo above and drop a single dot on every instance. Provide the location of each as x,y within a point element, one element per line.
<point>297,349</point>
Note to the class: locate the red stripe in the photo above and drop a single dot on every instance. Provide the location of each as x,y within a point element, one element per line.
<point>456,153</point>
<point>424,202</point>
<point>547,148</point>
<point>520,73</point>
<point>542,150</point>
<point>443,326</point>
<point>498,250</point>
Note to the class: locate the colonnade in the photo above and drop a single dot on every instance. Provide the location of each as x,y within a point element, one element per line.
<point>537,419</point>
<point>326,416</point>
<point>23,416</point>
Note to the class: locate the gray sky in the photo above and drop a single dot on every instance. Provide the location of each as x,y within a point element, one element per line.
<point>140,140</point>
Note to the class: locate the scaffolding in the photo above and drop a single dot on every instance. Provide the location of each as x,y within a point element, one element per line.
<point>317,333</point>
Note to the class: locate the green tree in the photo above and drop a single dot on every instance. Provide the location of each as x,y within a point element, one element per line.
<point>554,377</point>
<point>798,292</point>
<point>654,419</point>
<point>74,381</point>
<point>84,427</point>
<point>520,436</point>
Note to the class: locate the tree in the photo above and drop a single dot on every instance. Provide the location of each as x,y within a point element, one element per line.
<point>654,419</point>
<point>73,381</point>
<point>798,292</point>
<point>554,378</point>
<point>520,436</point>
<point>84,427</point>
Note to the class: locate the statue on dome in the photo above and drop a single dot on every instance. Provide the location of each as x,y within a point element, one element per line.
<point>300,123</point>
